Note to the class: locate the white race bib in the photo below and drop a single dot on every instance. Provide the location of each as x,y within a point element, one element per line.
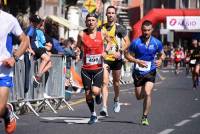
<point>178,56</point>
<point>93,59</point>
<point>144,69</point>
<point>193,61</point>
<point>187,59</point>
<point>112,50</point>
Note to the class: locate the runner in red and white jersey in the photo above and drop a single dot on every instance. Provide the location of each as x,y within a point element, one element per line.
<point>90,41</point>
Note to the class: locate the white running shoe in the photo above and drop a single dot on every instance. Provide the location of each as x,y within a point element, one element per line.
<point>104,112</point>
<point>116,107</point>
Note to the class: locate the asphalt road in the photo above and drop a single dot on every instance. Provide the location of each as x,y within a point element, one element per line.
<point>175,110</point>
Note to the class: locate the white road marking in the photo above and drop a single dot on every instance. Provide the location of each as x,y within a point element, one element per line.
<point>166,131</point>
<point>125,104</point>
<point>189,77</point>
<point>165,71</point>
<point>181,123</point>
<point>70,120</point>
<point>195,115</point>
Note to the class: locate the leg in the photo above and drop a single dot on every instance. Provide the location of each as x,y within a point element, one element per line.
<point>197,68</point>
<point>147,99</point>
<point>4,92</point>
<point>90,103</point>
<point>105,85</point>
<point>47,67</point>
<point>139,92</point>
<point>45,60</point>
<point>89,100</point>
<point>6,109</point>
<point>116,78</point>
<point>193,77</point>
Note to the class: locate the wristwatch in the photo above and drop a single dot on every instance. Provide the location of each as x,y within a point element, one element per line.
<point>15,57</point>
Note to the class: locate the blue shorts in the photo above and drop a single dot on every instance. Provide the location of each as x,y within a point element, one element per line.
<point>6,81</point>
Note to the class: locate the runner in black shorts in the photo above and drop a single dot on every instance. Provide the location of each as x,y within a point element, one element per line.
<point>194,62</point>
<point>92,78</point>
<point>113,60</point>
<point>142,52</point>
<point>90,41</point>
<point>114,65</point>
<point>141,80</point>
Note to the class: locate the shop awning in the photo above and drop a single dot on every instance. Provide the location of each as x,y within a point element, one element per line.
<point>64,22</point>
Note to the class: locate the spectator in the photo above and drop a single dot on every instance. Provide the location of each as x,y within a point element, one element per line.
<point>37,49</point>
<point>51,29</point>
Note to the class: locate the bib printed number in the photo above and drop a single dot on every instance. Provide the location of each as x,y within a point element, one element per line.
<point>193,62</point>
<point>112,50</point>
<point>144,69</point>
<point>93,59</point>
<point>178,56</point>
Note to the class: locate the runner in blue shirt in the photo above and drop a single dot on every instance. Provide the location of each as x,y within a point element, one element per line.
<point>143,52</point>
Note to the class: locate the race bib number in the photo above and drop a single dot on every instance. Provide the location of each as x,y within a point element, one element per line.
<point>193,61</point>
<point>112,50</point>
<point>93,59</point>
<point>187,59</point>
<point>144,69</point>
<point>178,56</point>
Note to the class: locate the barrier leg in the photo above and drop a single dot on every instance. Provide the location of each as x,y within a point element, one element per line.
<point>15,116</point>
<point>67,104</point>
<point>62,100</point>
<point>28,104</point>
<point>48,103</point>
<point>40,106</point>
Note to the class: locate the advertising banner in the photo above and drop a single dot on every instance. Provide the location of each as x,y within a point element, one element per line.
<point>183,22</point>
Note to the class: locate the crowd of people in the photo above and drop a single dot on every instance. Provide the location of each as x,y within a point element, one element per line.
<point>187,58</point>
<point>101,49</point>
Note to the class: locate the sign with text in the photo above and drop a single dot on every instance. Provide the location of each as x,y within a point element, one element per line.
<point>183,22</point>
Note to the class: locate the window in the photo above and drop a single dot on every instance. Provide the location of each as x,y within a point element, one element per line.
<point>184,3</point>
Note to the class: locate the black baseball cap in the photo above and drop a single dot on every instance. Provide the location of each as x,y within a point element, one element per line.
<point>36,19</point>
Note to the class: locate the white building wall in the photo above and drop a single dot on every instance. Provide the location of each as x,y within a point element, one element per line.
<point>73,17</point>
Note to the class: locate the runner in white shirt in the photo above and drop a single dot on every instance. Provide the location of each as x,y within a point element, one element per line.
<point>8,25</point>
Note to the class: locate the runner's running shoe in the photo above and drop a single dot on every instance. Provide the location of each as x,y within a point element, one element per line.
<point>116,107</point>
<point>93,119</point>
<point>10,120</point>
<point>104,112</point>
<point>145,121</point>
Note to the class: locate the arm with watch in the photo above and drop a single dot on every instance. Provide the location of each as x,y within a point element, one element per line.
<point>10,62</point>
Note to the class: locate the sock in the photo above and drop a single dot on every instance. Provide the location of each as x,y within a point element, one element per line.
<point>91,105</point>
<point>94,114</point>
<point>6,115</point>
<point>116,99</point>
<point>144,116</point>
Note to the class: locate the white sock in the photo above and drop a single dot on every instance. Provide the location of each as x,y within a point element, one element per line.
<point>94,114</point>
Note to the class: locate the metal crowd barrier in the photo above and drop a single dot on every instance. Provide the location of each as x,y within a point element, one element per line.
<point>51,92</point>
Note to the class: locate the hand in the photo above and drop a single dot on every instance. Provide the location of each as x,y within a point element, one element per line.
<point>108,47</point>
<point>142,63</point>
<point>104,55</point>
<point>10,62</point>
<point>158,63</point>
<point>117,55</point>
<point>31,52</point>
